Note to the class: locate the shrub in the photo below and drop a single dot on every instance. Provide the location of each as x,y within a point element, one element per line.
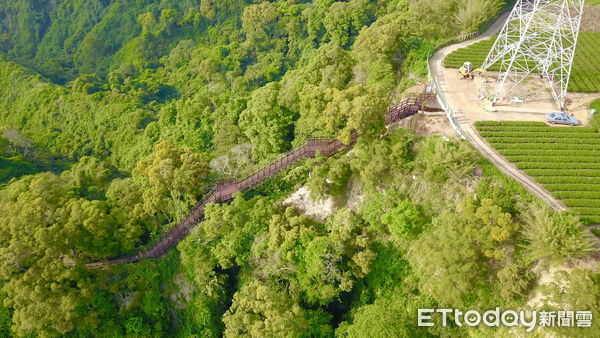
<point>563,172</point>
<point>510,123</point>
<point>546,133</point>
<point>545,146</point>
<point>556,159</point>
<point>538,128</point>
<point>550,153</point>
<point>591,219</point>
<point>582,203</point>
<point>545,139</point>
<point>568,179</point>
<point>588,211</point>
<point>554,165</point>
<point>577,194</point>
<point>472,14</point>
<point>573,187</point>
<point>554,237</point>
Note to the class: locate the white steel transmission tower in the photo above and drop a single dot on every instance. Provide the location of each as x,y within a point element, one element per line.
<point>539,37</point>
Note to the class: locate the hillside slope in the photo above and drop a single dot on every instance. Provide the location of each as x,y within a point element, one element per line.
<point>146,104</point>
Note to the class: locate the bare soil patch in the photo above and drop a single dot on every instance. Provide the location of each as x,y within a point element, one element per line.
<point>317,210</point>
<point>590,22</point>
<point>425,125</point>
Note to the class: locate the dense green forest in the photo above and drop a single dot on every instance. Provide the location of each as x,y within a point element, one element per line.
<point>116,116</point>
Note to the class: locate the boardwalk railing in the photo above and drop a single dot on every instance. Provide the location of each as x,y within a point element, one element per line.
<point>223,192</point>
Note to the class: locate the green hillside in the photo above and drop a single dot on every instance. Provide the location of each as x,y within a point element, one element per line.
<point>62,39</point>
<point>117,116</point>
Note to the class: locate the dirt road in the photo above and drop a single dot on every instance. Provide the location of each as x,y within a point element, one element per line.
<point>455,102</point>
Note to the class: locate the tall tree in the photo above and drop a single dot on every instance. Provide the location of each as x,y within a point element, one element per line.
<point>259,310</point>
<point>265,122</point>
<point>172,180</point>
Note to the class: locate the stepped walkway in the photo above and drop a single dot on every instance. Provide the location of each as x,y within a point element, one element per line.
<point>223,192</point>
<point>465,128</point>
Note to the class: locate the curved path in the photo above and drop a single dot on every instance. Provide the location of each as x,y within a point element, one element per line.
<point>224,192</point>
<point>466,129</point>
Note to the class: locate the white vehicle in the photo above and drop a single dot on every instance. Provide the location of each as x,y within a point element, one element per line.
<point>561,118</point>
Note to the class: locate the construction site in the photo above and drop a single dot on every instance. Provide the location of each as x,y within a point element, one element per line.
<point>523,92</point>
<point>524,89</point>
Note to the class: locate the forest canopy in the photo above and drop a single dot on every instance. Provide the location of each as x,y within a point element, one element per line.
<point>117,116</point>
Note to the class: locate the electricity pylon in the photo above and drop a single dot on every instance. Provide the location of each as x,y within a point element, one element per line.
<point>539,37</point>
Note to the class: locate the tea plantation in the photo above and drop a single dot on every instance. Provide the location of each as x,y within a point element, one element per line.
<point>585,76</point>
<point>565,160</point>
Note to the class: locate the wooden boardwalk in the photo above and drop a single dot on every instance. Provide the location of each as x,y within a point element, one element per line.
<point>223,192</point>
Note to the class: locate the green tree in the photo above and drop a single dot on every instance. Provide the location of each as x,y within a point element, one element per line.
<point>207,8</point>
<point>172,179</point>
<point>404,220</point>
<point>329,179</point>
<point>394,315</point>
<point>265,123</point>
<point>259,310</point>
<point>223,241</point>
<point>390,212</point>
<point>357,108</point>
<point>258,21</point>
<point>447,260</point>
<point>496,230</point>
<point>89,84</point>
<point>381,160</point>
<point>440,161</point>
<point>514,281</point>
<point>383,38</point>
<point>330,264</point>
<point>127,209</point>
<point>42,281</point>
<point>345,19</point>
<point>317,262</point>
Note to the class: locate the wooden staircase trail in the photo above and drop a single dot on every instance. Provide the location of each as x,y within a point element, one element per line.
<point>223,192</point>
